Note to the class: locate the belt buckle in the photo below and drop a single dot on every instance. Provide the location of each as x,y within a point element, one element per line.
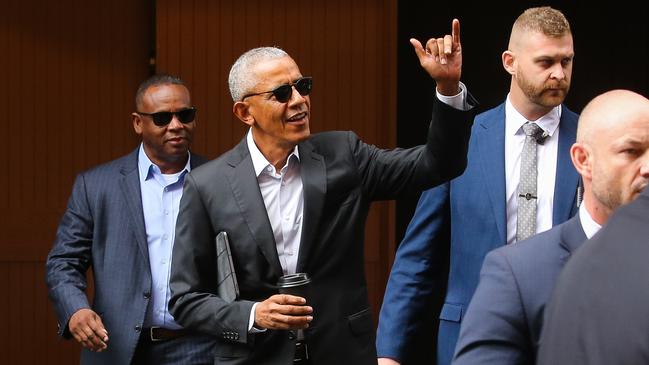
<point>153,338</point>
<point>301,351</point>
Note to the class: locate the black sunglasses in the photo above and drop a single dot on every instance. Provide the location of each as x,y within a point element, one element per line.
<point>161,119</point>
<point>283,92</point>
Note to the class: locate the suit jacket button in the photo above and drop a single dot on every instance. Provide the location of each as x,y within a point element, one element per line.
<point>147,295</point>
<point>138,328</point>
<point>291,335</point>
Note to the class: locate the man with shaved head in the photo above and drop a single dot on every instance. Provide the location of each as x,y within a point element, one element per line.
<point>599,313</point>
<point>463,220</point>
<point>504,321</point>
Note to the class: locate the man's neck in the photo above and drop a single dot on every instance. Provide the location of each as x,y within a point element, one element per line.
<point>276,155</point>
<point>598,212</point>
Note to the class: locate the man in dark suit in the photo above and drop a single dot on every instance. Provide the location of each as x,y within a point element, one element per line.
<point>463,220</point>
<point>120,222</point>
<point>504,320</point>
<point>294,202</point>
<point>598,313</point>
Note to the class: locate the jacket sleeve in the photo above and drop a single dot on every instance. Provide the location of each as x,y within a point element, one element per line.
<point>494,329</point>
<point>419,271</point>
<point>389,174</point>
<point>70,258</point>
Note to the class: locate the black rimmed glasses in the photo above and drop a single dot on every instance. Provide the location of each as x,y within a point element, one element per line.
<point>283,93</point>
<point>161,119</point>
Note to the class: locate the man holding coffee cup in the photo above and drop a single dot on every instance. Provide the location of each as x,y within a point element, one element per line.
<point>292,203</point>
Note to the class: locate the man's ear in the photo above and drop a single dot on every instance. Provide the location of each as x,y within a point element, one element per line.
<point>137,123</point>
<point>509,58</point>
<point>581,156</point>
<point>241,110</point>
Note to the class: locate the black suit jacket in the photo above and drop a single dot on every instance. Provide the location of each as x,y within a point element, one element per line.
<point>341,176</point>
<point>599,313</point>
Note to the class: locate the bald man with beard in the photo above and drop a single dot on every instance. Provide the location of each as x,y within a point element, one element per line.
<point>504,320</point>
<point>599,313</point>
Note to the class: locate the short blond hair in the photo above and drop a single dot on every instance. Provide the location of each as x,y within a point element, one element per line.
<point>551,22</point>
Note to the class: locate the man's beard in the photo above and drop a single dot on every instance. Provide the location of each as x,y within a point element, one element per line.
<point>551,94</point>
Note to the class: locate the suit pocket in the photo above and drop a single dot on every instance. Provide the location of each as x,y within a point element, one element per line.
<point>451,312</point>
<point>361,322</point>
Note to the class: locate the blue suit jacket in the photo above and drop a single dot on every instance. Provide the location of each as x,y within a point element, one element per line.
<point>503,322</point>
<point>467,216</point>
<point>103,228</point>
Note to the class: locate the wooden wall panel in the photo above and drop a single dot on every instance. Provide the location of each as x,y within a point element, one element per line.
<point>70,70</point>
<point>348,48</point>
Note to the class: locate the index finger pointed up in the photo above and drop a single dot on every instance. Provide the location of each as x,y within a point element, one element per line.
<point>456,31</point>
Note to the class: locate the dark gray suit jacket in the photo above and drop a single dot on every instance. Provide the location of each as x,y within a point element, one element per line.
<point>341,176</point>
<point>103,229</point>
<point>599,312</point>
<point>504,319</point>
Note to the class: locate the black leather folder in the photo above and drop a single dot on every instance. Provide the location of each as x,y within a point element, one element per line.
<point>228,288</point>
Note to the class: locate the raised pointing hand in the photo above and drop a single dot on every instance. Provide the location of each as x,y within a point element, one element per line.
<point>442,59</point>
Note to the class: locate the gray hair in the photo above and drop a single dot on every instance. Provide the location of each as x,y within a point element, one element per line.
<point>241,79</point>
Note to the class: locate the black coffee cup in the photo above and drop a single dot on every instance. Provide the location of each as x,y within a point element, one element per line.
<point>294,284</point>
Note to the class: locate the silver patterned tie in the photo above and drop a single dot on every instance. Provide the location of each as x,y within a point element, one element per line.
<point>526,214</point>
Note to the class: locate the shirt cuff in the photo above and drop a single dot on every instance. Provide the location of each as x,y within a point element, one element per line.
<point>251,321</point>
<point>456,101</point>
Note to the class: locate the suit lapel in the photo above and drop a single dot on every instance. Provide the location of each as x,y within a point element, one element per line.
<point>490,141</point>
<point>565,187</point>
<point>314,182</point>
<point>572,236</point>
<point>130,185</point>
<point>245,189</point>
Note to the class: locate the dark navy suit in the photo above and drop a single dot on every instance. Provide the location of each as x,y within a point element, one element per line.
<point>468,217</point>
<point>598,313</point>
<point>503,322</point>
<point>103,229</point>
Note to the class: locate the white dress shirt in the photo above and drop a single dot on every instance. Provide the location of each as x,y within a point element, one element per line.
<point>161,195</point>
<point>589,226</point>
<point>284,201</point>
<point>546,166</point>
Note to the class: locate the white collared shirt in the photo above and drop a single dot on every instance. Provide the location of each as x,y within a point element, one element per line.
<point>546,166</point>
<point>284,201</point>
<point>589,225</point>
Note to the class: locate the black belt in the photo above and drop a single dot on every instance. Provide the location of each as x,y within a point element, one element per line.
<point>301,353</point>
<point>156,334</point>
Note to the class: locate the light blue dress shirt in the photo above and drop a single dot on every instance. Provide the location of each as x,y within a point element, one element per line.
<point>161,195</point>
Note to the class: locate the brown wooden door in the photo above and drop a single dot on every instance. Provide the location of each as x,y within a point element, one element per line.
<point>69,74</point>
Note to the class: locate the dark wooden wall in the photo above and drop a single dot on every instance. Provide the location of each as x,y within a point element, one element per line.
<point>69,71</point>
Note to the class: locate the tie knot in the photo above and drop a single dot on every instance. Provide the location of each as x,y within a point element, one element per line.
<point>533,130</point>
